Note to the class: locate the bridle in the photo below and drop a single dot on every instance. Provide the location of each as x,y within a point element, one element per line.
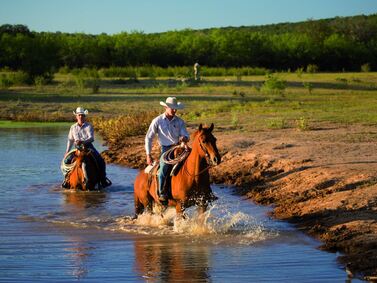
<point>208,161</point>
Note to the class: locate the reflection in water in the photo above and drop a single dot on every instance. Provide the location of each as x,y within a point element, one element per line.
<point>166,261</point>
<point>79,254</point>
<point>81,203</point>
<point>83,200</point>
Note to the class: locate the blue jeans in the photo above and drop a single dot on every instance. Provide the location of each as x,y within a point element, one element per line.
<point>163,174</point>
<point>101,163</point>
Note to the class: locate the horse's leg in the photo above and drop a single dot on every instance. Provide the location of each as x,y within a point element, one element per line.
<point>84,179</point>
<point>201,210</point>
<point>180,209</point>
<point>139,207</point>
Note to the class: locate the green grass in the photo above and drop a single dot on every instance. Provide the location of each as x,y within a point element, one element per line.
<point>345,98</point>
<point>13,124</point>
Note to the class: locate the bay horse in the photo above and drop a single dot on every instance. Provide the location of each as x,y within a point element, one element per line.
<point>85,173</point>
<point>191,185</point>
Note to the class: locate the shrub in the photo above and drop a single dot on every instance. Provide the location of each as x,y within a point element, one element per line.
<point>87,78</point>
<point>121,127</point>
<point>21,78</point>
<point>299,72</point>
<point>39,82</point>
<point>64,70</point>
<point>5,82</point>
<point>302,124</point>
<point>274,85</point>
<point>277,123</point>
<point>312,68</point>
<point>308,86</point>
<point>342,80</point>
<point>365,68</point>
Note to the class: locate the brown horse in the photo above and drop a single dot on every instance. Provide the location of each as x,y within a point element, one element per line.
<point>191,185</point>
<point>85,174</point>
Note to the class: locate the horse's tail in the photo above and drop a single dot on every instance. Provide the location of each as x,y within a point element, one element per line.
<point>142,197</point>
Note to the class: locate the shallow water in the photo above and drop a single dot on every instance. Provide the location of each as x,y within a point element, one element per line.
<point>50,235</point>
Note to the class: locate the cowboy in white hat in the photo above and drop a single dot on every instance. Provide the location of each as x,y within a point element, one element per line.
<point>82,132</point>
<point>170,130</point>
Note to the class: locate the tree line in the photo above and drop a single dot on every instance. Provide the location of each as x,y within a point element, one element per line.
<point>338,44</point>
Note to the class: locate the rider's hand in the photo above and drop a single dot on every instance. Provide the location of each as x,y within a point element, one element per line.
<point>149,159</point>
<point>183,139</point>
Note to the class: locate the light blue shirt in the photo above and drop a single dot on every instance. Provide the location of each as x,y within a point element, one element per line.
<point>168,131</point>
<point>85,133</point>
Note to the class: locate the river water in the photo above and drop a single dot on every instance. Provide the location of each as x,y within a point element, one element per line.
<point>50,235</point>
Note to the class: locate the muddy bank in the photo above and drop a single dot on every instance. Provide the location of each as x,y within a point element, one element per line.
<point>324,181</point>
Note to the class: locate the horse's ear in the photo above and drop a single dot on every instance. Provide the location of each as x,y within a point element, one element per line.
<point>211,128</point>
<point>200,127</point>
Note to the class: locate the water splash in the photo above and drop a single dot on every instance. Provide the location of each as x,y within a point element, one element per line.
<point>212,225</point>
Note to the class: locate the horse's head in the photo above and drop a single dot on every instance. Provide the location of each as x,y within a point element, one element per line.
<point>207,144</point>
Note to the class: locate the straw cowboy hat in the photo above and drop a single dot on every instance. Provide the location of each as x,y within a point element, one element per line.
<point>172,103</point>
<point>80,110</point>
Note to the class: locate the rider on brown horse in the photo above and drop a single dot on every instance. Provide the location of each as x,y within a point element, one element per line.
<point>82,133</point>
<point>170,130</point>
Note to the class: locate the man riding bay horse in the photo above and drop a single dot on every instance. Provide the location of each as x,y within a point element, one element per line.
<point>170,130</point>
<point>81,135</point>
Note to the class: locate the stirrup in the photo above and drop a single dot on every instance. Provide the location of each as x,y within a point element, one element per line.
<point>106,183</point>
<point>65,185</point>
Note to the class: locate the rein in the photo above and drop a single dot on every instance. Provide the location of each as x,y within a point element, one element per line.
<point>203,170</point>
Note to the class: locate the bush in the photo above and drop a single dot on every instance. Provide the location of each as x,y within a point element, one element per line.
<point>119,128</point>
<point>21,78</point>
<point>312,68</point>
<point>5,82</point>
<point>87,78</point>
<point>308,86</point>
<point>64,70</point>
<point>39,82</point>
<point>365,68</point>
<point>274,85</point>
<point>303,124</point>
<point>299,72</point>
<point>277,123</point>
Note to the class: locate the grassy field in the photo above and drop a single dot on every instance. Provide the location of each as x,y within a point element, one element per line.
<point>281,100</point>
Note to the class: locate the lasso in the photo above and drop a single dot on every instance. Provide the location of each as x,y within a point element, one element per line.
<point>168,156</point>
<point>64,167</point>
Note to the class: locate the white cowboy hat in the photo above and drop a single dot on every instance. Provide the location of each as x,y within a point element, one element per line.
<point>80,110</point>
<point>172,103</point>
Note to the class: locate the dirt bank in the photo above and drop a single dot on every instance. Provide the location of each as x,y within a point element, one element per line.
<point>323,180</point>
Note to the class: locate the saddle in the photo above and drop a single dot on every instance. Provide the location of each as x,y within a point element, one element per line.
<point>153,169</point>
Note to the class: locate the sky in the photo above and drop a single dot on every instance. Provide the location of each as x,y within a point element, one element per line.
<point>149,16</point>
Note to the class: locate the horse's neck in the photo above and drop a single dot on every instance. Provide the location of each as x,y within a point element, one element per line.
<point>195,163</point>
<point>79,159</point>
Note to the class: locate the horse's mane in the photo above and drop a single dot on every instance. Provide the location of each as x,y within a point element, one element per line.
<point>194,135</point>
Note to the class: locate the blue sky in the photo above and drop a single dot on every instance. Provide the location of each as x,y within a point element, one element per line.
<point>115,16</point>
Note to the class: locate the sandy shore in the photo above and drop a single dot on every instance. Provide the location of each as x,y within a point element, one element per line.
<point>323,180</point>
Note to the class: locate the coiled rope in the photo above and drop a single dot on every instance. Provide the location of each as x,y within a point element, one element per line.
<point>168,156</point>
<point>67,167</point>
